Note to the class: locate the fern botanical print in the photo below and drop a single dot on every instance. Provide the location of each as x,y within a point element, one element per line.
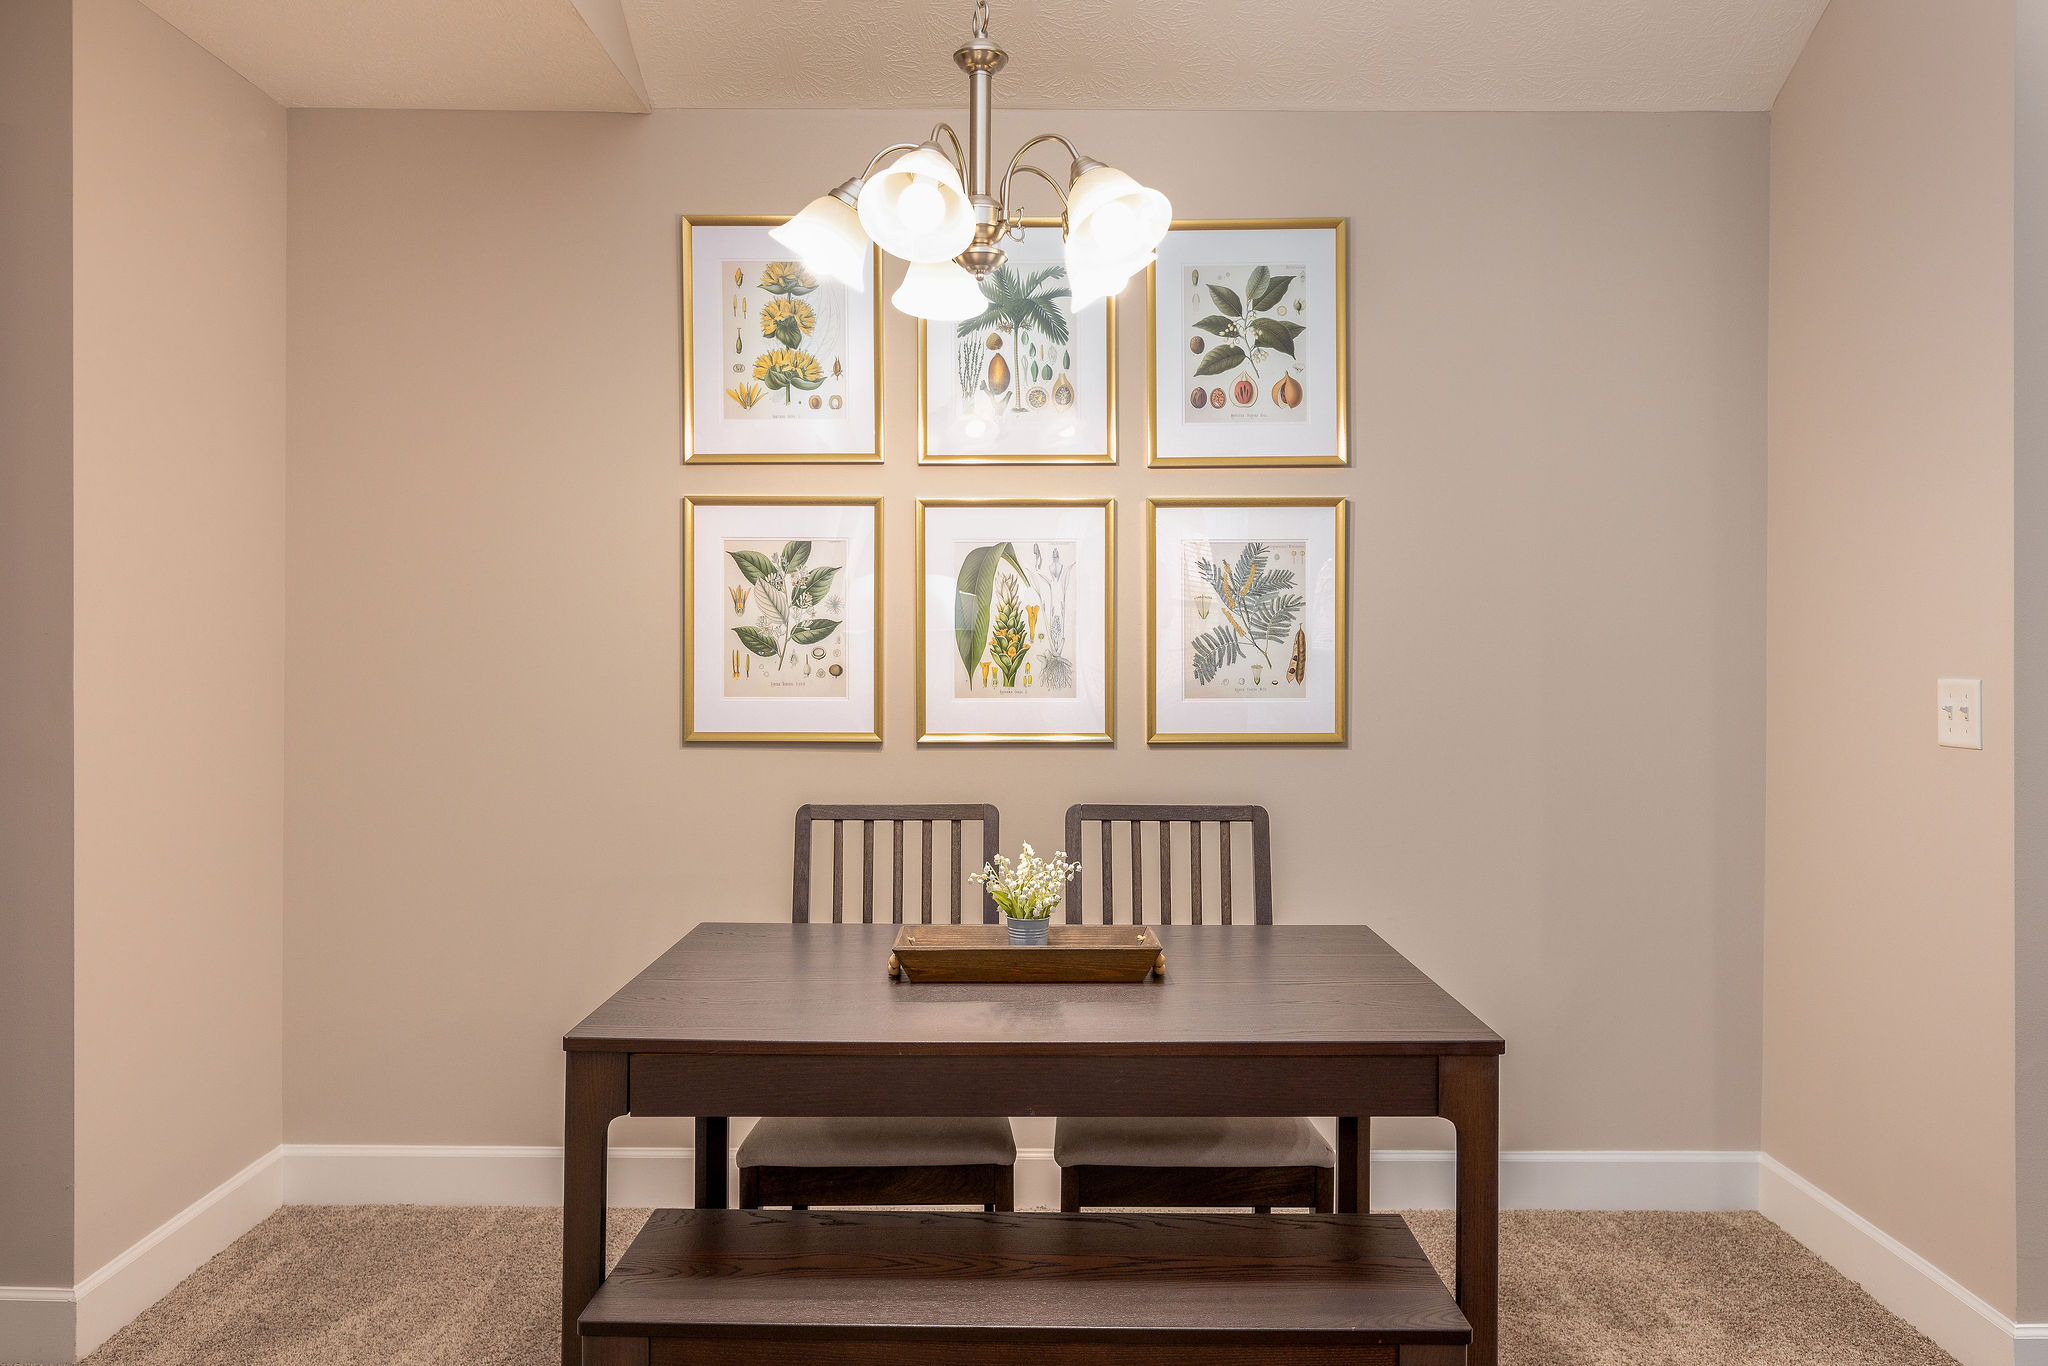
<point>1244,607</point>
<point>783,610</point>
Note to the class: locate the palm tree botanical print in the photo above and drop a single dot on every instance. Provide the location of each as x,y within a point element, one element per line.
<point>1018,351</point>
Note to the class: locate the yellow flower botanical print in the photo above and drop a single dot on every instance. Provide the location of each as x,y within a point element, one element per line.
<point>785,368</point>
<point>747,395</point>
<point>787,320</point>
<point>787,277</point>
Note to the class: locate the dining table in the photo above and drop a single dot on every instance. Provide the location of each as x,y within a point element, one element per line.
<point>753,1019</point>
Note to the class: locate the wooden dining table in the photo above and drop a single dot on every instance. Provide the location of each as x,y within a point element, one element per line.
<point>804,1019</point>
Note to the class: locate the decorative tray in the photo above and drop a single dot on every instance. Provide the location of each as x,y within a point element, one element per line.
<point>984,953</point>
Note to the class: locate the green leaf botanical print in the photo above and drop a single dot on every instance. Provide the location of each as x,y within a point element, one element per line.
<point>757,640</point>
<point>753,564</point>
<point>974,600</point>
<point>1276,333</point>
<point>1258,610</point>
<point>1250,337</point>
<point>786,601</point>
<point>1227,302</point>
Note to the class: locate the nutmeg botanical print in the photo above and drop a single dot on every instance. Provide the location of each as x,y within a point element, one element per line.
<point>783,611</point>
<point>785,354</point>
<point>1246,356</point>
<point>1013,611</point>
<point>1243,609</point>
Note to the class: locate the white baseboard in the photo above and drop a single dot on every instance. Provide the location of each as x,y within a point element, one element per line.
<point>64,1323</point>
<point>1900,1279</point>
<point>377,1175</point>
<point>38,1324</point>
<point>1427,1179</point>
<point>60,1324</point>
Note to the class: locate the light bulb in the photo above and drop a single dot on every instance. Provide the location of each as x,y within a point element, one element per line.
<point>921,206</point>
<point>916,208</point>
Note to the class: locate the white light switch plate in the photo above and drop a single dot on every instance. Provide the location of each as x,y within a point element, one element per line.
<point>1960,714</point>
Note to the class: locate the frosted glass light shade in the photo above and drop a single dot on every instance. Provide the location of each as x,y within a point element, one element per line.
<point>1094,282</point>
<point>941,291</point>
<point>1112,218</point>
<point>829,239</point>
<point>917,208</point>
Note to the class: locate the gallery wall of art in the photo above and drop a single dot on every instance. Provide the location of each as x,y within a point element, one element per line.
<point>1549,530</point>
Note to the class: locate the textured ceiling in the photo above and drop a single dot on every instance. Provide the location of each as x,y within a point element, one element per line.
<point>1228,54</point>
<point>1115,54</point>
<point>421,54</point>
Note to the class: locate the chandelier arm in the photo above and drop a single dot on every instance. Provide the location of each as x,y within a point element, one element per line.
<point>1008,217</point>
<point>959,156</point>
<point>1042,137</point>
<point>876,159</point>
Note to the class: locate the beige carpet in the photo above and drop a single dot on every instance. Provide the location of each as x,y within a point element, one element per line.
<point>410,1286</point>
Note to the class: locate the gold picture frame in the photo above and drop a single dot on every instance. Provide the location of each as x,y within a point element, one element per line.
<point>691,733</point>
<point>1108,457</point>
<point>1340,608</point>
<point>1107,734</point>
<point>694,456</point>
<point>1341,351</point>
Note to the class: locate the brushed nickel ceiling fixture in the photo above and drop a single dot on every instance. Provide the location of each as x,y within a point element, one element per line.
<point>942,209</point>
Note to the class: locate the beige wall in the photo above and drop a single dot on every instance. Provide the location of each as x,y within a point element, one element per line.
<point>180,623</point>
<point>1558,485</point>
<point>35,643</point>
<point>2030,645</point>
<point>1888,1039</point>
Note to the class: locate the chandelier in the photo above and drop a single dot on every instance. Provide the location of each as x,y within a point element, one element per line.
<point>942,209</point>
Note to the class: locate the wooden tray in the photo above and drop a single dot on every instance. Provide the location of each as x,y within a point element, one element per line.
<point>984,953</point>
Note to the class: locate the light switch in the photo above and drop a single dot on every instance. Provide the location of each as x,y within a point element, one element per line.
<point>1960,723</point>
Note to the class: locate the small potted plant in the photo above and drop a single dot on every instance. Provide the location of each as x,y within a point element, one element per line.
<point>1028,893</point>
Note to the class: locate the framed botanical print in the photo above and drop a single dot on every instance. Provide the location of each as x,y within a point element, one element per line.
<point>1246,621</point>
<point>1030,380</point>
<point>782,619</point>
<point>1016,612</point>
<point>1247,340</point>
<point>779,364</point>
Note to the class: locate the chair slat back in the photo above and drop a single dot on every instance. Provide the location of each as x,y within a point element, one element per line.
<point>1164,818</point>
<point>898,818</point>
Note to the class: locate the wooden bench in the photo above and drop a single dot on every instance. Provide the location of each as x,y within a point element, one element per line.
<point>923,1288</point>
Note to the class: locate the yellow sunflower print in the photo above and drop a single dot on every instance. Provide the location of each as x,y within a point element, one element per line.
<point>787,277</point>
<point>786,368</point>
<point>789,321</point>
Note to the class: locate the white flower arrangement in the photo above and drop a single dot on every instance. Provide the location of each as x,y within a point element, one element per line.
<point>1033,889</point>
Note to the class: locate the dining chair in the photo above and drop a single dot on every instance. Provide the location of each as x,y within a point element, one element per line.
<point>847,1160</point>
<point>1203,1163</point>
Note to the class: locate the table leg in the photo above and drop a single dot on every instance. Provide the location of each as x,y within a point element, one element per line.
<point>595,1095</point>
<point>1354,1165</point>
<point>1468,1095</point>
<point>711,1144</point>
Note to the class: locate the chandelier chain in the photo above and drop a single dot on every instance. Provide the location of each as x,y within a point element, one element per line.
<point>981,18</point>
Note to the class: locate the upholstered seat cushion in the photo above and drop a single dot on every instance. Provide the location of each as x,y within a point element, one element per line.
<point>1190,1143</point>
<point>865,1142</point>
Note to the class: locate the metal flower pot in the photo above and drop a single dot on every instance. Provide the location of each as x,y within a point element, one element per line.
<point>1037,930</point>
